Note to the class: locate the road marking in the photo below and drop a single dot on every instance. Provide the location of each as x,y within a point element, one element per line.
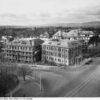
<point>77,89</point>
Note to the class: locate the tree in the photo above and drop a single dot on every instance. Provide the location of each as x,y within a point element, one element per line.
<point>94,40</point>
<point>24,71</point>
<point>8,81</point>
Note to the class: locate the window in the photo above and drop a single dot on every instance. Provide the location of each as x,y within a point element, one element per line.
<point>51,48</point>
<point>51,53</point>
<point>18,47</point>
<point>9,47</point>
<point>30,57</point>
<point>59,49</point>
<point>62,49</point>
<point>47,52</point>
<point>59,54</point>
<point>21,48</point>
<point>63,56</point>
<point>44,47</point>
<point>30,48</point>
<point>25,48</point>
<point>47,48</point>
<point>59,60</point>
<point>43,52</point>
<point>66,50</point>
<point>55,49</point>
<point>24,42</point>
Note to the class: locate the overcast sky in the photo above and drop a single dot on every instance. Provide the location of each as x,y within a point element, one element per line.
<point>41,12</point>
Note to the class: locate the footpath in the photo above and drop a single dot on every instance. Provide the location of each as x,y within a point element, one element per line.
<point>51,68</point>
<point>44,67</point>
<point>10,94</point>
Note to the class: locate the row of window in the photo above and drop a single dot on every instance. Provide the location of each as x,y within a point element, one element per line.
<point>59,49</point>
<point>19,53</point>
<point>51,59</point>
<point>54,54</point>
<point>21,61</point>
<point>19,47</point>
<point>73,61</point>
<point>71,53</point>
<point>53,48</point>
<point>22,57</point>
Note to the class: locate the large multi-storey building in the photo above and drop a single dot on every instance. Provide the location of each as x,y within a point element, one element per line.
<point>24,50</point>
<point>65,52</point>
<point>45,35</point>
<point>77,34</point>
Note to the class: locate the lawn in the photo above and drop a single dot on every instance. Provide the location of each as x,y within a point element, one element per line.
<point>29,89</point>
<point>7,83</point>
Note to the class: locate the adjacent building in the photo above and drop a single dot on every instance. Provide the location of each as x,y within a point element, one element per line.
<point>24,50</point>
<point>58,35</point>
<point>5,39</point>
<point>45,35</point>
<point>64,52</point>
<point>76,34</point>
<point>64,48</point>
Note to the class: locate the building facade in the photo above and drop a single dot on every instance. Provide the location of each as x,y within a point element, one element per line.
<point>45,35</point>
<point>64,52</point>
<point>77,34</point>
<point>24,50</point>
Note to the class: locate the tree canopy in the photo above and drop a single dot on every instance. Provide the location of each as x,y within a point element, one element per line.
<point>94,40</point>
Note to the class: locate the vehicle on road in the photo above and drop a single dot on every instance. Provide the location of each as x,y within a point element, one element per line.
<point>90,61</point>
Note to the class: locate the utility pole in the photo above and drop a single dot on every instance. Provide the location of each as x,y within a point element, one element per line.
<point>40,84</point>
<point>10,94</point>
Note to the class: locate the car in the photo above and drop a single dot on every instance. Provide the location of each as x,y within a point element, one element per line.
<point>90,61</point>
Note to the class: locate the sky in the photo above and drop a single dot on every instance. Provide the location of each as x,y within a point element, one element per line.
<point>44,12</point>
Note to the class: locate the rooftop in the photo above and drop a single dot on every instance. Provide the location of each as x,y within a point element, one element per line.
<point>63,43</point>
<point>73,33</point>
<point>26,41</point>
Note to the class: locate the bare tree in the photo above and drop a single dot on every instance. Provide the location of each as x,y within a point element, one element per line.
<point>24,71</point>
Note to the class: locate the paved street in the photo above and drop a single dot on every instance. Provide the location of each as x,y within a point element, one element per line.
<point>73,83</point>
<point>83,82</point>
<point>90,86</point>
<point>86,84</point>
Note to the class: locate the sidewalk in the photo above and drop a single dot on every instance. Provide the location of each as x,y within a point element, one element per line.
<point>79,66</point>
<point>48,67</point>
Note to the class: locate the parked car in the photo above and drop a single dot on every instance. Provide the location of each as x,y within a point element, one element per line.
<point>90,61</point>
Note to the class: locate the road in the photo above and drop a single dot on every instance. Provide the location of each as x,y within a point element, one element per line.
<point>83,82</point>
<point>79,83</point>
<point>86,84</point>
<point>90,86</point>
